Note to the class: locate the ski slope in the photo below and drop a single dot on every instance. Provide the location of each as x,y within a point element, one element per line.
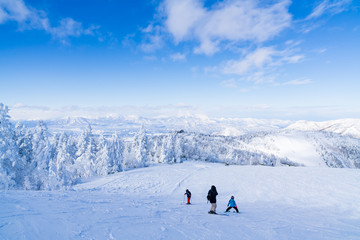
<point>148,203</point>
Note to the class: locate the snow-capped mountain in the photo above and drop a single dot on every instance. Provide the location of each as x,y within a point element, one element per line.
<point>350,127</point>
<point>128,125</point>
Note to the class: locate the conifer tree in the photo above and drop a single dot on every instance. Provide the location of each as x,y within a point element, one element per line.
<point>41,157</point>
<point>140,147</point>
<point>116,157</point>
<point>10,164</point>
<point>86,154</point>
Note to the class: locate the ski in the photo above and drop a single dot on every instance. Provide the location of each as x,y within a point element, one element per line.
<point>223,214</point>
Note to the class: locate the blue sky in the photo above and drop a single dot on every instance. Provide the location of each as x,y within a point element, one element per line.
<point>265,59</point>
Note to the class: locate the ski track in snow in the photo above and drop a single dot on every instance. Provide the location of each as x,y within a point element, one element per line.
<point>274,203</point>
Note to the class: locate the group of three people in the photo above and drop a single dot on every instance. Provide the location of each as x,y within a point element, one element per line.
<point>211,197</point>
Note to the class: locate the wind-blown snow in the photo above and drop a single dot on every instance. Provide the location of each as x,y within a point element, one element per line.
<point>147,203</point>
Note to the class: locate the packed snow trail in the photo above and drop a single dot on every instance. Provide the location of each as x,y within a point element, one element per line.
<point>274,203</point>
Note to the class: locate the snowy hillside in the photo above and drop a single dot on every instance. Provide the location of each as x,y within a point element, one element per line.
<point>293,148</point>
<point>349,127</point>
<point>275,204</point>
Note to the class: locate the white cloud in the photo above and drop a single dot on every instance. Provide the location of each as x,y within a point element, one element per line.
<point>320,50</point>
<point>231,83</point>
<point>153,39</point>
<point>244,90</point>
<point>319,10</point>
<point>324,8</point>
<point>178,57</point>
<point>293,43</point>
<point>30,18</point>
<point>330,7</point>
<point>182,17</point>
<point>148,29</point>
<point>20,112</point>
<point>69,27</point>
<point>228,21</point>
<point>150,58</point>
<point>26,112</point>
<point>254,60</point>
<point>153,42</point>
<point>255,64</point>
<point>293,112</point>
<point>297,82</point>
<point>14,10</point>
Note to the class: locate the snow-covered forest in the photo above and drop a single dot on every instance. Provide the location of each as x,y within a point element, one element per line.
<point>35,158</point>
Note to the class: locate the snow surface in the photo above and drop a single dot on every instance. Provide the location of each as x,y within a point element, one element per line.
<point>148,203</point>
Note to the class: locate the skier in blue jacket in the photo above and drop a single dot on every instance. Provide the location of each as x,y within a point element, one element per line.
<point>232,204</point>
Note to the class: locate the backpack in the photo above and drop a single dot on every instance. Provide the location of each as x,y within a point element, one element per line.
<point>209,196</point>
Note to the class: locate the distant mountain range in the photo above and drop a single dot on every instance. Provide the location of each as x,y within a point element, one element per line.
<point>215,126</point>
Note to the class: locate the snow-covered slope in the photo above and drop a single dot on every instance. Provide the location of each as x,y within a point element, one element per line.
<point>294,146</point>
<point>148,203</point>
<point>311,148</point>
<point>350,127</point>
<point>276,148</point>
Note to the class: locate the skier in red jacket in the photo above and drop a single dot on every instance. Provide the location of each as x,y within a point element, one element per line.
<point>188,194</point>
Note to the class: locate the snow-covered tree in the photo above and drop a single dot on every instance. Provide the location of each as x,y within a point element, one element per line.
<point>102,163</point>
<point>64,161</point>
<point>86,154</point>
<point>24,143</point>
<point>53,174</point>
<point>25,151</point>
<point>116,158</point>
<point>140,147</point>
<point>11,165</point>
<point>168,149</point>
<point>39,167</point>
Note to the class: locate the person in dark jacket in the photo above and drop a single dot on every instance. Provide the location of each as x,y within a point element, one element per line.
<point>212,198</point>
<point>232,204</point>
<point>188,195</point>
